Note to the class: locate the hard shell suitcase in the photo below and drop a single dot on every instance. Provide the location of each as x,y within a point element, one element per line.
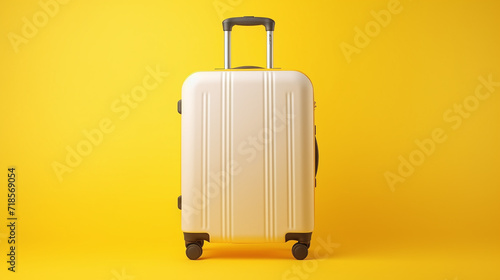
<point>248,153</point>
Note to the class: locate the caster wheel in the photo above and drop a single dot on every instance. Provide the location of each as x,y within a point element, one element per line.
<point>299,251</point>
<point>193,251</point>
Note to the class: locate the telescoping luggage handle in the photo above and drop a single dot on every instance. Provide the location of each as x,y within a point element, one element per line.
<point>228,24</point>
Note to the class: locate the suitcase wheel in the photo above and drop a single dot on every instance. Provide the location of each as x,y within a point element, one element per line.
<point>193,251</point>
<point>300,250</point>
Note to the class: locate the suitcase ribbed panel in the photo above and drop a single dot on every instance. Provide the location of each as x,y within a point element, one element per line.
<point>205,158</point>
<point>227,156</point>
<point>269,156</point>
<point>290,124</point>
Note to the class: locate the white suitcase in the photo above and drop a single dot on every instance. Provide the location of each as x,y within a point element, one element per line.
<point>248,154</point>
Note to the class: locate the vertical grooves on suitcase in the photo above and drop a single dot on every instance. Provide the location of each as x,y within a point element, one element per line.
<point>223,157</point>
<point>205,157</point>
<point>230,152</point>
<point>269,157</point>
<point>273,133</point>
<point>290,158</point>
<point>266,169</point>
<point>227,155</point>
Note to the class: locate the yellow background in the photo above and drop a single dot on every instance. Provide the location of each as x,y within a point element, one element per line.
<point>115,215</point>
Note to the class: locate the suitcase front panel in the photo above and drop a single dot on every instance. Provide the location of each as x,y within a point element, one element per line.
<point>247,155</point>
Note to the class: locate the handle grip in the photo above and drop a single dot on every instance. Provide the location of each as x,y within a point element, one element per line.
<point>228,24</point>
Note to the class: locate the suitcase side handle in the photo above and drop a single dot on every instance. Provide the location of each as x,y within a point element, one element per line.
<point>228,24</point>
